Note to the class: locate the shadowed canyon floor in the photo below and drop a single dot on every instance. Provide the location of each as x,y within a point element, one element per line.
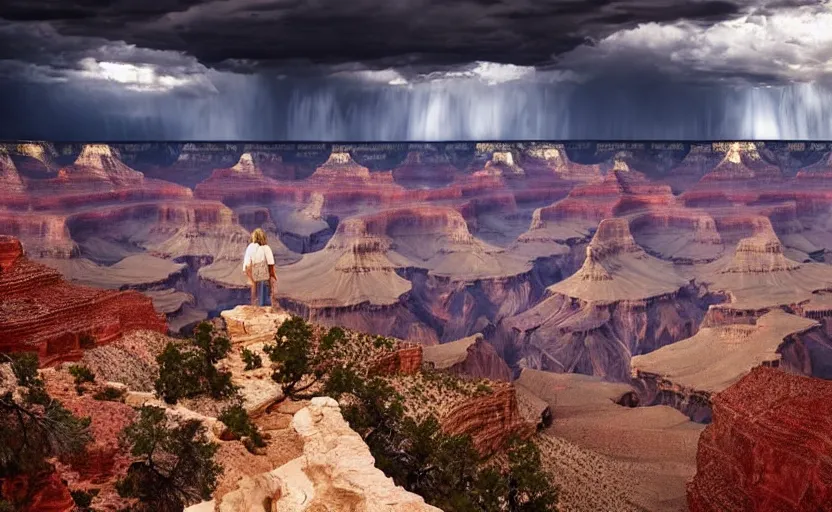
<point>618,296</point>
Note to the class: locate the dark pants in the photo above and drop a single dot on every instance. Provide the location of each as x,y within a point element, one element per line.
<point>260,293</point>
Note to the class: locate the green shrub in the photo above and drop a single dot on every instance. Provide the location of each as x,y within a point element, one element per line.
<point>252,360</point>
<point>34,427</point>
<point>82,375</point>
<point>238,422</point>
<point>109,394</point>
<point>190,370</point>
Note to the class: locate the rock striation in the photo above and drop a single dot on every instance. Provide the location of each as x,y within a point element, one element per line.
<point>686,374</point>
<point>758,275</point>
<point>490,419</point>
<point>362,270</point>
<point>621,302</point>
<point>741,177</point>
<point>42,313</point>
<point>768,447</point>
<point>11,183</point>
<point>621,191</point>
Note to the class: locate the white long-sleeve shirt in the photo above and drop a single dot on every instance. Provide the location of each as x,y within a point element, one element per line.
<point>256,253</point>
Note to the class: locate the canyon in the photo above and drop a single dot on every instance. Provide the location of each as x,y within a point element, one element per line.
<point>617,297</point>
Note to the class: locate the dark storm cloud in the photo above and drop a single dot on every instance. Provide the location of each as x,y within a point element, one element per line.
<point>377,32</point>
<point>415,69</point>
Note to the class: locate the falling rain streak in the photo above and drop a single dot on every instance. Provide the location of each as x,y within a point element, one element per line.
<point>253,108</point>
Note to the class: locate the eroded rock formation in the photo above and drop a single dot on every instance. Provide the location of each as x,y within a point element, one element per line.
<point>621,302</point>
<point>686,374</point>
<point>41,312</point>
<point>768,447</point>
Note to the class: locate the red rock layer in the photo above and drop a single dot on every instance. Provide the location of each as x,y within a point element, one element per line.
<point>428,168</point>
<point>104,461</point>
<point>44,493</point>
<point>491,420</point>
<point>346,186</point>
<point>42,313</point>
<point>768,448</point>
<point>620,192</point>
<point>739,178</point>
<point>406,360</point>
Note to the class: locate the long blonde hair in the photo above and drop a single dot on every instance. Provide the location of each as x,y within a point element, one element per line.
<point>258,236</point>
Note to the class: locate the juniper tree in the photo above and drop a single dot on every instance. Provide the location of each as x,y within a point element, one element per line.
<point>174,464</point>
<point>35,427</point>
<point>190,370</point>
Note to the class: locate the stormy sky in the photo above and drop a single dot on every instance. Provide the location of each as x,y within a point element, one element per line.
<point>415,69</point>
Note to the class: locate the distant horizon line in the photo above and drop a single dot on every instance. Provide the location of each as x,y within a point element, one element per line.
<point>449,141</point>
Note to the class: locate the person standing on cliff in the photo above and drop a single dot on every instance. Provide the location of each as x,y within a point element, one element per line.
<point>258,264</point>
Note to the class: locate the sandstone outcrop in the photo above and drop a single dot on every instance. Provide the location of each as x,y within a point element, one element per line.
<point>336,472</point>
<point>488,411</point>
<point>767,449</point>
<point>491,419</point>
<point>251,328</point>
<point>41,157</point>
<point>98,162</point>
<point>402,361</point>
<point>684,236</point>
<point>42,313</point>
<point>470,357</point>
<point>686,374</point>
<point>502,164</point>
<point>743,161</point>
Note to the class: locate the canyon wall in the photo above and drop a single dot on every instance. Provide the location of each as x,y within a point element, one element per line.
<point>768,448</point>
<point>42,313</point>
